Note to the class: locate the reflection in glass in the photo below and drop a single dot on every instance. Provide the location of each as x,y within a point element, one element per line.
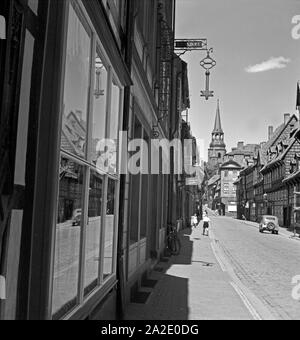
<point>114,125</point>
<point>93,232</point>
<point>109,229</point>
<point>99,112</point>
<point>77,78</point>
<point>68,232</point>
<point>115,110</point>
<point>135,192</point>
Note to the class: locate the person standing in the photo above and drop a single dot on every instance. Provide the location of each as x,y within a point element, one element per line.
<point>206,222</point>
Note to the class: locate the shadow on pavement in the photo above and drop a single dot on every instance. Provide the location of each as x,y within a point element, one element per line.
<point>169,298</point>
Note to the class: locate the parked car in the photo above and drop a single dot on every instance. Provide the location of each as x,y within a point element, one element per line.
<point>269,223</point>
<point>76,219</point>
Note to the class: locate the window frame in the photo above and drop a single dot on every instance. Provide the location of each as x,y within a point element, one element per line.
<point>102,284</point>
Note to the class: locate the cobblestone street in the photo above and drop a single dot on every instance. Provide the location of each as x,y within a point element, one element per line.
<point>265,263</point>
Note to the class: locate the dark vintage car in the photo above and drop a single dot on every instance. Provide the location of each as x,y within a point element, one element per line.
<point>76,219</point>
<point>269,223</point>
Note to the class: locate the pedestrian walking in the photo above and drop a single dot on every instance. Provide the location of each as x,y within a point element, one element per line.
<point>206,222</point>
<point>194,221</point>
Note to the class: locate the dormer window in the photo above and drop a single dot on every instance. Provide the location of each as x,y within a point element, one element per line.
<point>293,166</point>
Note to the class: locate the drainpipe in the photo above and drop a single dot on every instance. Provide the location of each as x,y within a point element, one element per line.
<point>121,301</point>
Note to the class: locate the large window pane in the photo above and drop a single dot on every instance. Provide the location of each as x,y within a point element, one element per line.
<point>144,196</point>
<point>109,229</point>
<point>135,193</point>
<point>93,229</point>
<point>115,111</point>
<point>99,111</point>
<point>144,206</point>
<point>114,125</point>
<point>68,231</point>
<point>77,78</point>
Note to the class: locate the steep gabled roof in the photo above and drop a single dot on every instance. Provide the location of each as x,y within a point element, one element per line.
<point>281,156</point>
<point>274,139</point>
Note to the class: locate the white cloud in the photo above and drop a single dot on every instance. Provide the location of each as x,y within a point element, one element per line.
<point>271,64</point>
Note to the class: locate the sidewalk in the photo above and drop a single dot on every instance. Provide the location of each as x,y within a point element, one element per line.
<point>191,286</point>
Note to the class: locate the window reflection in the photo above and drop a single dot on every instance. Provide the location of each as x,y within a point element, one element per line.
<point>93,229</point>
<point>114,118</point>
<point>77,77</point>
<point>99,112</point>
<point>68,232</point>
<point>114,125</point>
<point>109,229</point>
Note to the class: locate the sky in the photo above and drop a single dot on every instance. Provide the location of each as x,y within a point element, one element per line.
<point>258,65</point>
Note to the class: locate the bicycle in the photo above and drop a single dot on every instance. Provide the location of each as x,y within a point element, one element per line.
<point>173,244</point>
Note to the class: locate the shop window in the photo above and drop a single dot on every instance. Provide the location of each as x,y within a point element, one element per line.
<point>99,110</point>
<point>135,181</point>
<point>93,230</point>
<point>109,229</point>
<point>86,209</point>
<point>144,206</point>
<point>77,80</point>
<point>144,200</point>
<point>115,112</point>
<point>68,237</point>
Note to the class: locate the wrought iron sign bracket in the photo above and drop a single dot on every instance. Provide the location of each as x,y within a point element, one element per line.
<point>181,46</point>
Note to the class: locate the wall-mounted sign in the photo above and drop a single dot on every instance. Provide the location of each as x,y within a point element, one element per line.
<point>191,44</point>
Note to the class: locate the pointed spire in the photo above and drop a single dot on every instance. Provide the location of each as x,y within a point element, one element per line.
<point>218,127</point>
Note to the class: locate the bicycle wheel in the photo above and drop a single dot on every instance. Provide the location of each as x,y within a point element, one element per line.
<point>174,246</point>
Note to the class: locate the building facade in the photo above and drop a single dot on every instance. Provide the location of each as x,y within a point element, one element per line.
<point>261,186</point>
<point>77,233</point>
<point>229,173</point>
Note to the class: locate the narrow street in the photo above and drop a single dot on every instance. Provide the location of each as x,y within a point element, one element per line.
<point>265,263</point>
<point>235,274</point>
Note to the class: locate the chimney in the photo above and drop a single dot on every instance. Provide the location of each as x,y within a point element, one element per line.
<point>287,117</point>
<point>271,132</point>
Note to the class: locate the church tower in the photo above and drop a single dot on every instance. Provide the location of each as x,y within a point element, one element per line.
<point>217,148</point>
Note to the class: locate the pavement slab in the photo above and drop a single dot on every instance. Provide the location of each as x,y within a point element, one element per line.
<point>192,286</point>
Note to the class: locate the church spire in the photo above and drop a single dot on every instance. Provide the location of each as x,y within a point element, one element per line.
<point>218,127</point>
<point>217,147</point>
